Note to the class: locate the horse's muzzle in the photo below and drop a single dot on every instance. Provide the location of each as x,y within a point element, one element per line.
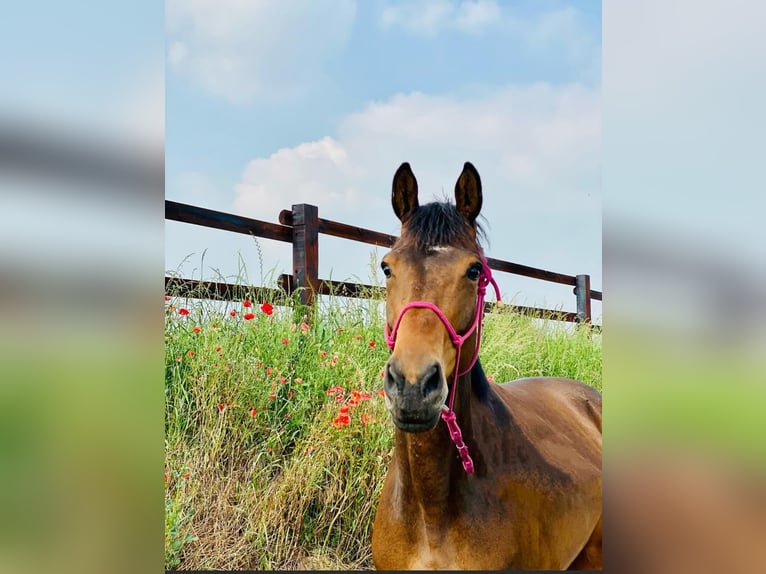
<point>415,405</point>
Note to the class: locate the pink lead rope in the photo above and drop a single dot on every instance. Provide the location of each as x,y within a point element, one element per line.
<point>448,414</point>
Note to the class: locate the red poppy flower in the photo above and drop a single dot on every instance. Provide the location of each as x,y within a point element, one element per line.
<point>340,421</point>
<point>358,337</point>
<point>167,477</point>
<point>285,342</point>
<point>298,380</point>
<point>366,418</point>
<point>190,353</point>
<point>304,327</point>
<point>272,396</point>
<point>167,297</point>
<point>290,394</point>
<point>266,308</point>
<point>218,349</point>
<point>220,406</point>
<point>343,409</point>
<point>382,393</point>
<point>269,370</point>
<point>365,396</point>
<point>186,475</point>
<point>247,303</point>
<point>196,329</point>
<point>356,394</point>
<point>253,411</point>
<point>339,398</point>
<point>335,389</point>
<point>287,415</point>
<point>371,343</point>
<point>382,373</point>
<point>183,311</point>
<point>282,380</point>
<point>323,354</point>
<point>233,313</point>
<point>353,401</point>
<point>178,359</point>
<point>248,316</point>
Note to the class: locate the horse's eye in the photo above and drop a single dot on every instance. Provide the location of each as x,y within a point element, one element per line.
<point>386,269</point>
<point>474,271</point>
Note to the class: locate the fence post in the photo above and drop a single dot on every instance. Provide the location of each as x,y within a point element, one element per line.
<point>306,251</point>
<point>582,291</point>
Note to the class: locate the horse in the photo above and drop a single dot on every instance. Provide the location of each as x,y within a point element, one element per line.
<point>512,479</point>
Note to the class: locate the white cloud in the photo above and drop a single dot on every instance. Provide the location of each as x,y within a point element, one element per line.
<point>317,172</point>
<point>537,148</point>
<point>561,31</point>
<point>243,50</point>
<point>472,16</point>
<point>430,17</point>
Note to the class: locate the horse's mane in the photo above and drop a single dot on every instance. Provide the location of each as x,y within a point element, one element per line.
<point>479,382</point>
<point>439,224</point>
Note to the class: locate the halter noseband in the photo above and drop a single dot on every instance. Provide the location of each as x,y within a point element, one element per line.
<point>448,414</point>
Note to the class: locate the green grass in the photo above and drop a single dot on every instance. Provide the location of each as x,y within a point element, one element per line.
<point>257,475</point>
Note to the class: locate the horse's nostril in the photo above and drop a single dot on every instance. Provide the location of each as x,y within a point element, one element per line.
<point>393,382</point>
<point>432,380</point>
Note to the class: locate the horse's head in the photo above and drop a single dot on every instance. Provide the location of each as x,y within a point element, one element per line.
<point>434,268</point>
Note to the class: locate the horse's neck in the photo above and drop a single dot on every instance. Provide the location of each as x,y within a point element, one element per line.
<point>429,467</point>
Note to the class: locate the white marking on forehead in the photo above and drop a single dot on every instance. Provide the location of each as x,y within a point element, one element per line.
<point>439,248</point>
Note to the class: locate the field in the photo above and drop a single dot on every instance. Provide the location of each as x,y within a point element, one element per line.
<point>276,436</point>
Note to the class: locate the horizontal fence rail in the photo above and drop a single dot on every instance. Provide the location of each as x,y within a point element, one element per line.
<point>301,227</point>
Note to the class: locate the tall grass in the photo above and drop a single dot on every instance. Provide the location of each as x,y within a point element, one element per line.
<point>263,470</point>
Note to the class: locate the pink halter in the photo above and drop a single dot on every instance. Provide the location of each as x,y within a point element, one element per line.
<point>448,414</point>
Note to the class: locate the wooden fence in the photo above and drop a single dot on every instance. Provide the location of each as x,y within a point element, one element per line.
<point>301,227</point>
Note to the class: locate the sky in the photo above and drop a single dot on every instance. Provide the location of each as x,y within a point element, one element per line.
<point>271,103</point>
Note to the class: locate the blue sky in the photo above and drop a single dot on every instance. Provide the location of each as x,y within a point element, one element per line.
<point>271,103</point>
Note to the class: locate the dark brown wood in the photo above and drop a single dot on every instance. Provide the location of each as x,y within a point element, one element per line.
<point>306,251</point>
<point>339,288</point>
<point>228,222</point>
<point>215,291</point>
<point>345,231</point>
<point>582,291</point>
<point>538,312</point>
<point>302,226</point>
<point>356,233</point>
<point>526,271</point>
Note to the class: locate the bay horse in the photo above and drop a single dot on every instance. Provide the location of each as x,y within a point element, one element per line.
<point>512,479</point>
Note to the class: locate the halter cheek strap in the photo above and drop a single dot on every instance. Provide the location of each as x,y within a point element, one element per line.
<point>448,414</point>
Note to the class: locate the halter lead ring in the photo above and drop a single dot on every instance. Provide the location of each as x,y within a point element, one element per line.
<point>448,414</point>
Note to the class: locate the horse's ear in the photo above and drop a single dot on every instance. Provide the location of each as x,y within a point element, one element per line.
<point>404,192</point>
<point>468,193</point>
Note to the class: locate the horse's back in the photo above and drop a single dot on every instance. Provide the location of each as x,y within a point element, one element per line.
<point>553,396</point>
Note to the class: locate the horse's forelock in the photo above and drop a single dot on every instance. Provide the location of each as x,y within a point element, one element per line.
<point>440,224</point>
